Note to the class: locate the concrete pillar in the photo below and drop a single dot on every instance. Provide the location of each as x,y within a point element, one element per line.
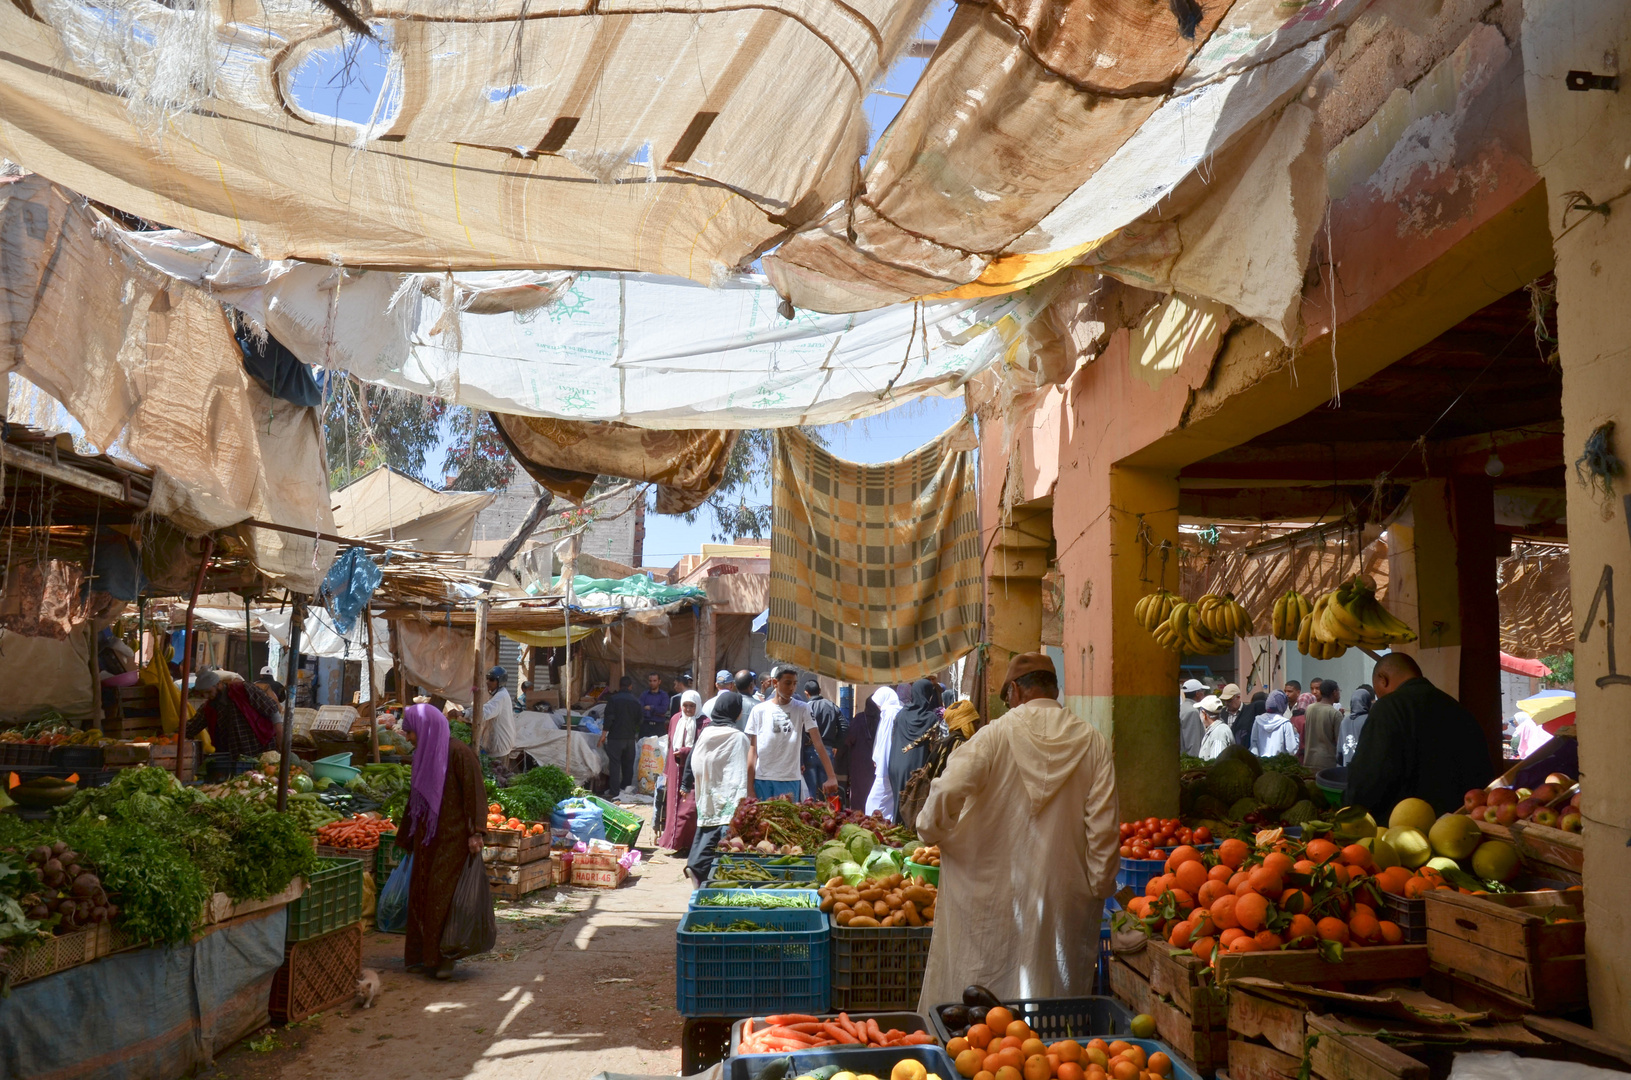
<point>1581,140</point>
<point>1013,592</point>
<point>1120,680</point>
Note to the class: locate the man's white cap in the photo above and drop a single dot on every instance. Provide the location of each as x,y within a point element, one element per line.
<point>1209,703</point>
<point>1193,685</point>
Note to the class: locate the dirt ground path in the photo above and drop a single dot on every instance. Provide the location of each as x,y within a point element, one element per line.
<point>582,981</point>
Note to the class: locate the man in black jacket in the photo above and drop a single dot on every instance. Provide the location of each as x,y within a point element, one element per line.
<point>1418,743</point>
<point>619,735</point>
<point>831,727</point>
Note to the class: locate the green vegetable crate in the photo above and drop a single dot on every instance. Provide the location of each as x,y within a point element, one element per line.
<point>622,827</point>
<point>333,899</point>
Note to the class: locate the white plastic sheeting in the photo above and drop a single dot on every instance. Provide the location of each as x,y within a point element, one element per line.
<point>649,351</point>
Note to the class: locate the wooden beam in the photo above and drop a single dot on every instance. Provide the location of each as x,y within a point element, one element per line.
<point>41,465</point>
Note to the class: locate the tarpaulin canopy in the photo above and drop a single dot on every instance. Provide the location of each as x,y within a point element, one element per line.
<point>550,639</point>
<point>318,636</point>
<point>623,135</point>
<point>390,506</point>
<point>154,369</point>
<point>568,456</point>
<point>1518,666</point>
<point>1099,130</point>
<point>650,351</point>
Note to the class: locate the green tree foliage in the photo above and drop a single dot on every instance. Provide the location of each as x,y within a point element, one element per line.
<point>1562,666</point>
<point>734,506</point>
<point>367,426</point>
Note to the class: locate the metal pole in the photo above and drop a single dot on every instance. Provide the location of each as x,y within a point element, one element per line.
<point>566,676</point>
<point>249,643</point>
<point>297,619</point>
<point>187,654</point>
<point>373,690</point>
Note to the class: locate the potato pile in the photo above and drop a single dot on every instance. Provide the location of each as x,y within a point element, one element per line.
<point>927,855</point>
<point>895,900</point>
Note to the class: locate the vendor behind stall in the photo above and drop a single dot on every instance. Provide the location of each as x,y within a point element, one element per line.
<point>1418,742</point>
<point>241,719</point>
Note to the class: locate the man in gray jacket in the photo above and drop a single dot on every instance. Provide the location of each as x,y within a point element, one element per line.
<point>1191,729</point>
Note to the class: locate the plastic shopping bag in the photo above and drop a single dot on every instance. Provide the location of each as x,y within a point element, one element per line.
<point>391,913</point>
<point>581,817</point>
<point>471,928</point>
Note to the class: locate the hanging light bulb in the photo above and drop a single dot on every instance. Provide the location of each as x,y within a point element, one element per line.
<point>1494,466</point>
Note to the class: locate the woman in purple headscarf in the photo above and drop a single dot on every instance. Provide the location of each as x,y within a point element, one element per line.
<point>446,823</point>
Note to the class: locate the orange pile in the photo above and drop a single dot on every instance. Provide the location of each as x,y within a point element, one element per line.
<point>1244,902</point>
<point>1017,1054</point>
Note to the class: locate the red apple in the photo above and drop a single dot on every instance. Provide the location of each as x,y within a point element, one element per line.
<point>1570,823</point>
<point>1560,779</point>
<point>1574,802</point>
<point>1475,797</point>
<point>1502,795</point>
<point>1546,793</point>
<point>1526,808</point>
<point>1506,813</point>
<point>1545,816</point>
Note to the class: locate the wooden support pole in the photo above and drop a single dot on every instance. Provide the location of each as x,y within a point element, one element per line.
<point>478,696</point>
<point>297,619</point>
<point>373,690</point>
<point>187,654</point>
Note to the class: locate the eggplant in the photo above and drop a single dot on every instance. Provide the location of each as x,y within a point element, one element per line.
<point>954,1015</point>
<point>976,1014</point>
<point>974,994</point>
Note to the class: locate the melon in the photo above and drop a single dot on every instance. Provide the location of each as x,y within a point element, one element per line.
<point>1454,836</point>
<point>1495,860</point>
<point>1381,852</point>
<point>1413,814</point>
<point>1230,780</point>
<point>1276,790</point>
<point>1410,845</point>
<point>1302,810</point>
<point>1242,807</point>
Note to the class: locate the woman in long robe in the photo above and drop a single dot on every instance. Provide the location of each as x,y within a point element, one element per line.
<point>880,797</point>
<point>680,813</point>
<point>913,722</point>
<point>716,772</point>
<point>446,824</point>
<point>859,738</point>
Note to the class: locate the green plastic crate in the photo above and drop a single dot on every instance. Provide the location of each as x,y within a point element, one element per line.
<point>386,859</point>
<point>333,899</point>
<point>622,827</point>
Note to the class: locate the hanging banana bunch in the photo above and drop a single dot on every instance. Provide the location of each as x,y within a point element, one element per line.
<point>1349,616</point>
<point>1290,612</point>
<point>1152,610</point>
<point>1223,616</point>
<point>1189,627</point>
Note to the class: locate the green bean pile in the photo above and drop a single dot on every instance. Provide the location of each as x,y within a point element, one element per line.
<point>740,926</point>
<point>756,898</point>
<point>758,884</point>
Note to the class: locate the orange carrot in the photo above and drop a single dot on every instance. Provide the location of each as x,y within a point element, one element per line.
<point>790,1018</point>
<point>838,1034</point>
<point>917,1038</point>
<point>874,1032</point>
<point>747,1027</point>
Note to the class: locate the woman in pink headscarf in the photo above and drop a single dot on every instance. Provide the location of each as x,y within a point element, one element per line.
<point>446,823</point>
<point>1299,722</point>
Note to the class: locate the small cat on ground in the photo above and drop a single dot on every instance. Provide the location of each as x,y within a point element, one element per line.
<point>367,988</point>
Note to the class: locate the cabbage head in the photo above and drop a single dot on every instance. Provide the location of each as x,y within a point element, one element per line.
<point>861,846</point>
<point>851,873</point>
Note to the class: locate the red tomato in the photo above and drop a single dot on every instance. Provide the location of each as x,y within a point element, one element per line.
<point>1203,835</point>
<point>1126,829</point>
<point>1126,851</point>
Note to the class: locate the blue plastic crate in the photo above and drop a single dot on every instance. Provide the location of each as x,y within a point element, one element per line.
<point>782,969</point>
<point>1137,873</point>
<point>699,895</point>
<point>877,1062</point>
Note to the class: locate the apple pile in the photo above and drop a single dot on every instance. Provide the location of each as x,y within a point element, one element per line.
<point>1504,805</point>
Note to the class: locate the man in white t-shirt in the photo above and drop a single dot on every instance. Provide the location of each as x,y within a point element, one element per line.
<point>776,730</point>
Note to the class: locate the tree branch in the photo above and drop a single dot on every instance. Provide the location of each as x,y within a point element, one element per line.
<point>528,526</point>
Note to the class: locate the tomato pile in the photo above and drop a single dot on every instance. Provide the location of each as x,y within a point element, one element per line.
<point>497,822</point>
<point>1005,1048</point>
<point>1283,896</point>
<point>1150,838</point>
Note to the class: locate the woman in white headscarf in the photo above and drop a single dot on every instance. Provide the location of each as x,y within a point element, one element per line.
<point>881,799</point>
<point>680,811</point>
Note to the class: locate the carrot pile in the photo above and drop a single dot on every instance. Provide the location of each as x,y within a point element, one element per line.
<point>794,1031</point>
<point>357,832</point>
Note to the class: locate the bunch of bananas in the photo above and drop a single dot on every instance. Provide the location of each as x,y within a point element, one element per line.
<point>1347,617</point>
<point>1223,616</point>
<point>1185,631</point>
<point>1290,612</point>
<point>1152,610</point>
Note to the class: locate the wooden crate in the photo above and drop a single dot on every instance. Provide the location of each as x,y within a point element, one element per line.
<point>1544,850</point>
<point>1337,1055</point>
<point>1382,963</point>
<point>509,846</point>
<point>164,757</point>
<point>598,871</point>
<point>1259,1061</point>
<point>1514,951</point>
<point>1190,1014</point>
<point>130,712</point>
<point>511,881</point>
